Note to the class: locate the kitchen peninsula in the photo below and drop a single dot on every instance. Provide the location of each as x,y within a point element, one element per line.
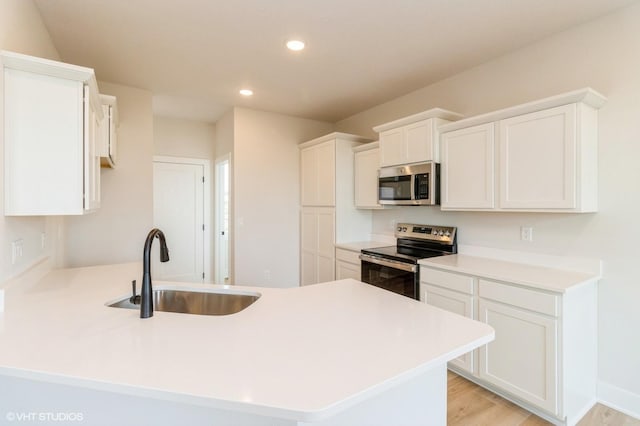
<point>341,352</point>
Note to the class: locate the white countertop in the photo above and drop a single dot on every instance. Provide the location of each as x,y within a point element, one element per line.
<point>301,353</point>
<point>360,245</point>
<point>539,277</point>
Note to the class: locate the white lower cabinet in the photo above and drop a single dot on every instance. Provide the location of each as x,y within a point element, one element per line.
<point>459,303</point>
<point>347,264</point>
<point>522,358</point>
<point>317,246</point>
<point>544,353</point>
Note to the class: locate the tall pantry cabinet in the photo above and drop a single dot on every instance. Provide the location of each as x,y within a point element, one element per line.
<point>328,214</point>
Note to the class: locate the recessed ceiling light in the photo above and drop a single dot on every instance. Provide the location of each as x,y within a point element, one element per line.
<point>246,92</point>
<point>295,45</point>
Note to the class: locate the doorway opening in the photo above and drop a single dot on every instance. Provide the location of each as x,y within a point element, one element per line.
<point>182,210</point>
<point>222,275</point>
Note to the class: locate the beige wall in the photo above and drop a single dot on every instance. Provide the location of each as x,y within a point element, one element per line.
<point>178,137</point>
<point>603,54</point>
<point>22,31</point>
<point>116,232</point>
<point>267,195</point>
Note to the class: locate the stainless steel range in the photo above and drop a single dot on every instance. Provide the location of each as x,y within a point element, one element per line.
<point>395,268</point>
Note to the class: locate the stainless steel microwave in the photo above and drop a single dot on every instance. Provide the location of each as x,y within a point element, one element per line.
<point>410,185</point>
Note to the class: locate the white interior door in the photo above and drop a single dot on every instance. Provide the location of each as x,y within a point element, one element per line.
<point>178,210</point>
<point>222,221</point>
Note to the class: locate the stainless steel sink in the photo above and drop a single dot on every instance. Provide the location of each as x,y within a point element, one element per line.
<point>194,302</point>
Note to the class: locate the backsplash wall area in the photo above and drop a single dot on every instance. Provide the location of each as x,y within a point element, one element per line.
<point>601,54</point>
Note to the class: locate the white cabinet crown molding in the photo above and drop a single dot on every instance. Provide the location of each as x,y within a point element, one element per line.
<point>586,95</point>
<point>366,147</point>
<point>431,113</point>
<point>332,136</point>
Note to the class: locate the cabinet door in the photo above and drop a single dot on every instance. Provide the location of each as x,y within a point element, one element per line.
<point>326,173</point>
<point>467,169</point>
<point>308,246</point>
<point>538,159</point>
<point>317,239</point>
<point>92,141</point>
<point>458,303</point>
<point>108,135</point>
<point>366,178</point>
<point>347,270</point>
<point>43,144</point>
<point>392,148</point>
<point>318,175</point>
<point>308,176</point>
<point>523,357</point>
<point>418,137</point>
<point>326,244</point>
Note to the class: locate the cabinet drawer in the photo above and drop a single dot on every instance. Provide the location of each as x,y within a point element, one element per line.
<point>528,299</point>
<point>457,282</point>
<point>348,256</point>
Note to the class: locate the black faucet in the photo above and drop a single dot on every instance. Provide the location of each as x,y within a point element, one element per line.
<point>146,295</point>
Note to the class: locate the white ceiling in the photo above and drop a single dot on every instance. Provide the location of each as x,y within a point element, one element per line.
<point>195,55</point>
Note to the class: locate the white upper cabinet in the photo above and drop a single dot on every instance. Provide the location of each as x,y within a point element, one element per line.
<point>466,172</point>
<point>109,137</point>
<point>366,165</point>
<point>535,157</point>
<point>52,128</point>
<point>413,139</point>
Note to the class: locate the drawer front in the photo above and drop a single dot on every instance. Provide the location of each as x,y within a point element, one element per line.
<point>532,300</point>
<point>457,282</point>
<point>348,256</point>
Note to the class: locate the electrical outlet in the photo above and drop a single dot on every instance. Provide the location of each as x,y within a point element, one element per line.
<point>526,233</point>
<point>16,250</point>
<point>43,240</point>
<point>267,275</point>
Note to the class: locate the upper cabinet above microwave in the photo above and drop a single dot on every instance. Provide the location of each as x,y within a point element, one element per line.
<point>537,157</point>
<point>109,136</point>
<point>413,139</point>
<point>52,127</point>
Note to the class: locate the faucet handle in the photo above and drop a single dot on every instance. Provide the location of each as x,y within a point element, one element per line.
<point>134,299</point>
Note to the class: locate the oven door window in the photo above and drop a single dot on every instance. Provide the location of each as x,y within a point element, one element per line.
<point>394,188</point>
<point>395,280</point>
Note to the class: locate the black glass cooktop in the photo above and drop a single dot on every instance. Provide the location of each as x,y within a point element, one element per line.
<point>403,254</point>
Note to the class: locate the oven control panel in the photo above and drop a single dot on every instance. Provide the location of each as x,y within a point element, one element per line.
<point>445,234</point>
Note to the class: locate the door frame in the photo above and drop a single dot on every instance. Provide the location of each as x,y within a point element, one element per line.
<point>218,220</point>
<point>206,218</point>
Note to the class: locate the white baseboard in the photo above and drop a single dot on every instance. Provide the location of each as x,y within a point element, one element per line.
<point>619,399</point>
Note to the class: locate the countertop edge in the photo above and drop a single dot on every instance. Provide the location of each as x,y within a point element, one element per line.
<point>579,279</point>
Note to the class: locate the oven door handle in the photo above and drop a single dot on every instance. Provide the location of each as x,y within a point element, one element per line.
<point>388,263</point>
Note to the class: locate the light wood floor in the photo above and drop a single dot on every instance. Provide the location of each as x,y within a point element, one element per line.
<point>470,405</point>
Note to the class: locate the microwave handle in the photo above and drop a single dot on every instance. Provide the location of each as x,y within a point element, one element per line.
<point>388,263</point>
